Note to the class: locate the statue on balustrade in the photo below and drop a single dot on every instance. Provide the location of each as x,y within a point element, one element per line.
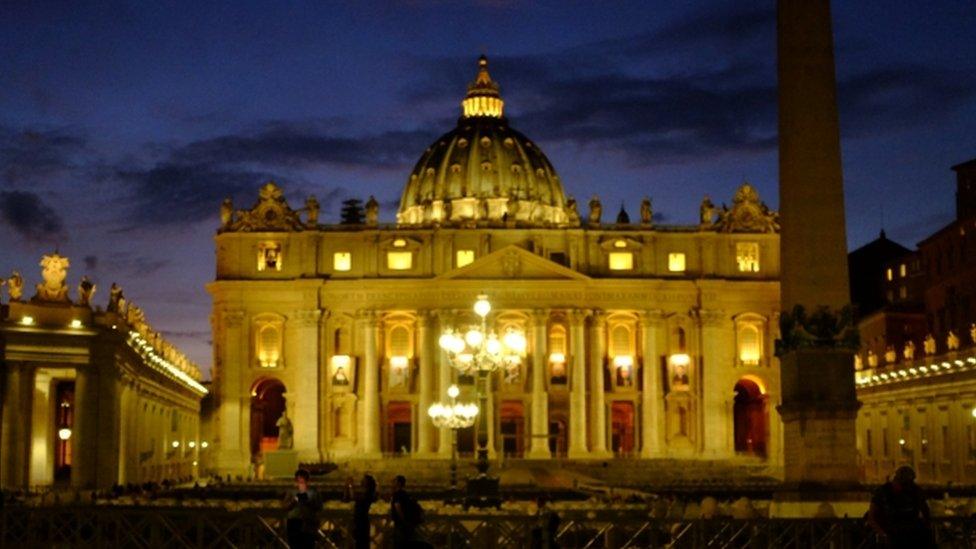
<point>596,210</point>
<point>646,211</point>
<point>929,345</point>
<point>572,211</point>
<point>372,211</point>
<point>972,330</point>
<point>312,212</point>
<point>86,290</point>
<point>285,432</point>
<point>706,212</point>
<point>226,213</point>
<point>952,341</point>
<point>909,351</point>
<point>872,359</point>
<point>54,271</point>
<point>890,355</point>
<point>15,286</point>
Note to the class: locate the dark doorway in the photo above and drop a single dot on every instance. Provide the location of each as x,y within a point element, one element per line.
<point>399,428</point>
<point>750,419</point>
<point>64,400</point>
<point>512,428</point>
<point>622,426</point>
<point>267,405</point>
<point>557,437</point>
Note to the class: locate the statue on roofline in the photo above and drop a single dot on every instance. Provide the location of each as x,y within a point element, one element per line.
<point>86,290</point>
<point>596,210</point>
<point>372,211</point>
<point>311,211</point>
<point>646,213</point>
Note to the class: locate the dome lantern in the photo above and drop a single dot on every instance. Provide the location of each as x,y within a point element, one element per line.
<point>483,98</point>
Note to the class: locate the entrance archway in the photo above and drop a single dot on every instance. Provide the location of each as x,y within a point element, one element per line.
<point>557,436</point>
<point>750,418</point>
<point>267,405</point>
<point>512,428</point>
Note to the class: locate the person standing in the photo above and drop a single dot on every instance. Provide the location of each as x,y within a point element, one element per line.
<point>303,506</point>
<point>360,510</point>
<point>899,513</point>
<point>407,515</point>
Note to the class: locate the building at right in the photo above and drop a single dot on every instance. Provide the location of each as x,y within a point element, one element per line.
<point>916,375</point>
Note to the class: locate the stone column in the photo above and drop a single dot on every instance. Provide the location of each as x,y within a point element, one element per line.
<point>652,389</point>
<point>716,357</point>
<point>106,397</point>
<point>232,435</point>
<point>444,380</point>
<point>304,359</point>
<point>819,403</point>
<point>425,435</point>
<point>577,388</point>
<point>370,420</point>
<point>84,438</point>
<point>598,406</point>
<point>14,452</point>
<point>539,447</point>
<point>42,435</point>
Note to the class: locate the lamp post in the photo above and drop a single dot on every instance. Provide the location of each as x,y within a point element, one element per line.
<point>453,415</point>
<point>481,352</point>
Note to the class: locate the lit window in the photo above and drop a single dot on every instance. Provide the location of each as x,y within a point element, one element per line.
<point>621,261</point>
<point>269,256</point>
<point>399,261</point>
<point>620,341</point>
<point>676,262</point>
<point>342,261</point>
<point>620,244</point>
<point>889,274</point>
<point>464,257</point>
<point>902,270</point>
<point>399,243</point>
<point>557,355</point>
<point>269,345</point>
<point>750,344</point>
<point>747,257</point>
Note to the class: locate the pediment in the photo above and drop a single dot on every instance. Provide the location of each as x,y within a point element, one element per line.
<point>513,262</point>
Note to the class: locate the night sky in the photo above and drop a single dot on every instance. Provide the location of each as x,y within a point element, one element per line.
<point>122,126</point>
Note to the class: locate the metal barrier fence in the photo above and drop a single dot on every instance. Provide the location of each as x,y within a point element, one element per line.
<point>124,527</point>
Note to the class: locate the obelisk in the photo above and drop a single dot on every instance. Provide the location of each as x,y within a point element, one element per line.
<point>819,404</point>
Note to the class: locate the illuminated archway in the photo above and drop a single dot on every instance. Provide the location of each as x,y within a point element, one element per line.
<point>750,417</point>
<point>267,405</point>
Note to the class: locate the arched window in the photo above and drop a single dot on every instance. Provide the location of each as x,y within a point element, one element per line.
<point>620,341</point>
<point>750,346</point>
<point>557,354</point>
<point>268,344</point>
<point>399,341</point>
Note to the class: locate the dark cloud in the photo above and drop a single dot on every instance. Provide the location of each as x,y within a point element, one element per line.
<point>27,214</point>
<point>33,154</point>
<point>125,265</point>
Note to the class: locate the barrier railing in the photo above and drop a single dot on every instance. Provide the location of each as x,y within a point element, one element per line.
<point>123,527</point>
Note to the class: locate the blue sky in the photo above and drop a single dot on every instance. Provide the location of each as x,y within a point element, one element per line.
<point>123,125</point>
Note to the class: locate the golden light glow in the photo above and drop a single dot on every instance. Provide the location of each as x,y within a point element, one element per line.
<point>27,320</point>
<point>481,105</point>
<point>453,391</point>
<point>749,345</point>
<point>399,261</point>
<point>269,256</point>
<point>620,244</point>
<point>64,433</point>
<point>176,444</point>
<point>340,361</point>
<point>676,262</point>
<point>623,361</point>
<point>621,261</point>
<point>398,361</point>
<point>75,323</point>
<point>482,307</point>
<point>342,261</point>
<point>747,257</point>
<point>557,358</point>
<point>902,270</point>
<point>680,359</point>
<point>889,274</point>
<point>464,257</point>
<point>399,243</point>
<point>269,345</point>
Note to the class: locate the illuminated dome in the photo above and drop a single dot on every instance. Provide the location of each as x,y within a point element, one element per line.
<point>484,172</point>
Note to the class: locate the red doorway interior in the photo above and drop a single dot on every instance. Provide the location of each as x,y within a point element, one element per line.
<point>267,405</point>
<point>399,428</point>
<point>513,428</point>
<point>622,427</point>
<point>749,416</point>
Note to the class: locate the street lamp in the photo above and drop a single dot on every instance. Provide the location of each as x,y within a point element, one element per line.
<point>479,351</point>
<point>453,415</point>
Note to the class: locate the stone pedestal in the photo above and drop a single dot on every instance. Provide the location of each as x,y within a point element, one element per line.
<point>280,463</point>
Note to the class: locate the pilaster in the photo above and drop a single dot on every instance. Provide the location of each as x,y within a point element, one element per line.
<point>539,447</point>
<point>598,407</point>
<point>652,388</point>
<point>304,360</point>
<point>369,442</point>
<point>425,428</point>
<point>577,390</point>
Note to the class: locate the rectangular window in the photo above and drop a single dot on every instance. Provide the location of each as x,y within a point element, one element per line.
<point>884,442</point>
<point>621,261</point>
<point>889,274</point>
<point>463,257</point>
<point>869,443</point>
<point>342,261</point>
<point>747,257</point>
<point>902,270</point>
<point>269,256</point>
<point>399,261</point>
<point>676,262</point>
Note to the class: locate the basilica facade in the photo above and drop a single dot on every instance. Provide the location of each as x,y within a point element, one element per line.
<point>643,340</point>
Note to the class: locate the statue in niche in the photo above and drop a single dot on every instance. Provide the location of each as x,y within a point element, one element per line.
<point>625,376</point>
<point>372,211</point>
<point>596,210</point>
<point>285,432</point>
<point>226,213</point>
<point>972,327</point>
<point>929,345</point>
<point>706,211</point>
<point>86,290</point>
<point>872,359</point>
<point>572,212</point>
<point>15,286</point>
<point>858,362</point>
<point>646,213</point>
<point>398,376</point>
<point>340,377</point>
<point>558,373</point>
<point>311,211</point>
<point>512,373</point>
<point>54,271</point>
<point>890,355</point>
<point>115,299</point>
<point>679,378</point>
<point>952,341</point>
<point>909,351</point>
